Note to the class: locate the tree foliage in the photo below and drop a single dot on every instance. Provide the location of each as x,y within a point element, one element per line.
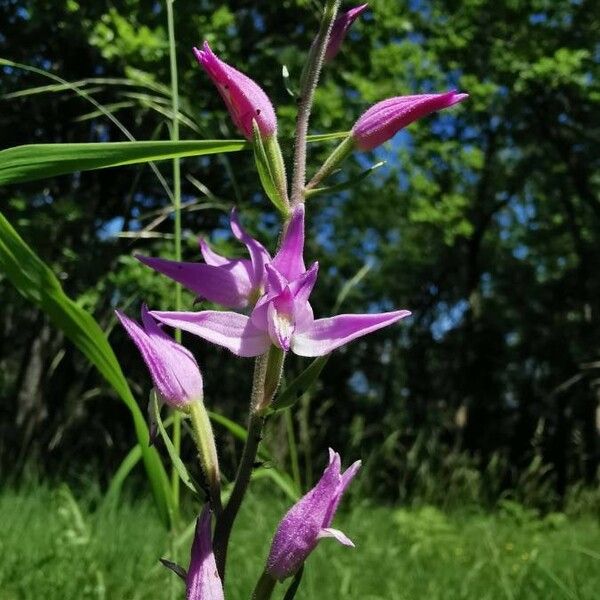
<point>485,221</point>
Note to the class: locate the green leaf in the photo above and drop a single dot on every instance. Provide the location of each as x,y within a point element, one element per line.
<point>183,473</point>
<point>265,173</point>
<point>37,283</point>
<point>37,161</point>
<point>118,479</point>
<point>350,285</point>
<point>290,395</point>
<point>345,185</point>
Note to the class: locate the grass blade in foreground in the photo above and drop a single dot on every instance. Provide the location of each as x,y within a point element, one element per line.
<point>37,283</point>
<point>37,161</point>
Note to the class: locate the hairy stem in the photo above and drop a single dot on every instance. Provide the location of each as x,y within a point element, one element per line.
<point>307,94</point>
<point>225,522</point>
<point>267,375</point>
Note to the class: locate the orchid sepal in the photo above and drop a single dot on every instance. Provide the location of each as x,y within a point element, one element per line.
<point>271,169</point>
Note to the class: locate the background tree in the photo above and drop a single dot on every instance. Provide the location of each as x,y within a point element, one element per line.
<point>485,224</point>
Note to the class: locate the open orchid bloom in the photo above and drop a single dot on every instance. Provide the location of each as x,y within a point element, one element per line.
<point>203,581</point>
<point>340,28</point>
<point>245,99</point>
<point>383,120</point>
<point>282,316</point>
<point>233,283</point>
<point>173,369</point>
<point>309,520</point>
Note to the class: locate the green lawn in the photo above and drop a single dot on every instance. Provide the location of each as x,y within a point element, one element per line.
<point>53,547</point>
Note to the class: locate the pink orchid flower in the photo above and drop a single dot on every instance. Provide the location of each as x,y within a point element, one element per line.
<point>383,120</point>
<point>245,99</point>
<point>309,521</point>
<point>233,283</point>
<point>282,316</point>
<point>173,368</point>
<point>340,27</point>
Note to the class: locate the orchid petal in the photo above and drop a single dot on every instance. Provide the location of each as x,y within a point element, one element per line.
<point>345,480</point>
<point>210,256</point>
<point>228,329</point>
<point>276,282</point>
<point>342,538</point>
<point>229,287</point>
<point>302,287</point>
<point>289,260</point>
<point>325,335</point>
<point>258,254</point>
<point>340,28</point>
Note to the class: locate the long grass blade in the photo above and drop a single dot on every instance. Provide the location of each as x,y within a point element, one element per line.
<point>37,283</point>
<point>38,161</point>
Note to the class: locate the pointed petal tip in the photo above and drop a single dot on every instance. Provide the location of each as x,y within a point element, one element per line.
<point>456,96</point>
<point>335,458</point>
<point>355,12</point>
<point>145,260</point>
<point>336,534</point>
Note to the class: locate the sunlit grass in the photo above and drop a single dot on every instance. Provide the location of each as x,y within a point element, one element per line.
<point>53,547</point>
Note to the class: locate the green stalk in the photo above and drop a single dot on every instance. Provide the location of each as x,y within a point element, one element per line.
<point>207,451</point>
<point>307,93</point>
<point>176,435</point>
<point>225,522</point>
<point>264,588</point>
<point>267,375</point>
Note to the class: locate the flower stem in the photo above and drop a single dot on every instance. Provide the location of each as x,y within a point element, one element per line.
<point>332,162</point>
<point>264,587</point>
<point>307,94</point>
<point>177,212</point>
<point>267,375</point>
<point>225,522</point>
<point>207,452</point>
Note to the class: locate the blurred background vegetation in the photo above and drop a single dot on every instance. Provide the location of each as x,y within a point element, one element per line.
<point>485,222</point>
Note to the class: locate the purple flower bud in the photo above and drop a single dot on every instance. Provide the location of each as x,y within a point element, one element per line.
<point>383,120</point>
<point>245,100</point>
<point>173,369</point>
<point>309,520</point>
<point>340,28</point>
<point>203,581</point>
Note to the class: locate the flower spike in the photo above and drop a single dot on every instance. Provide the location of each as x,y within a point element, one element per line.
<point>245,99</point>
<point>173,369</point>
<point>309,520</point>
